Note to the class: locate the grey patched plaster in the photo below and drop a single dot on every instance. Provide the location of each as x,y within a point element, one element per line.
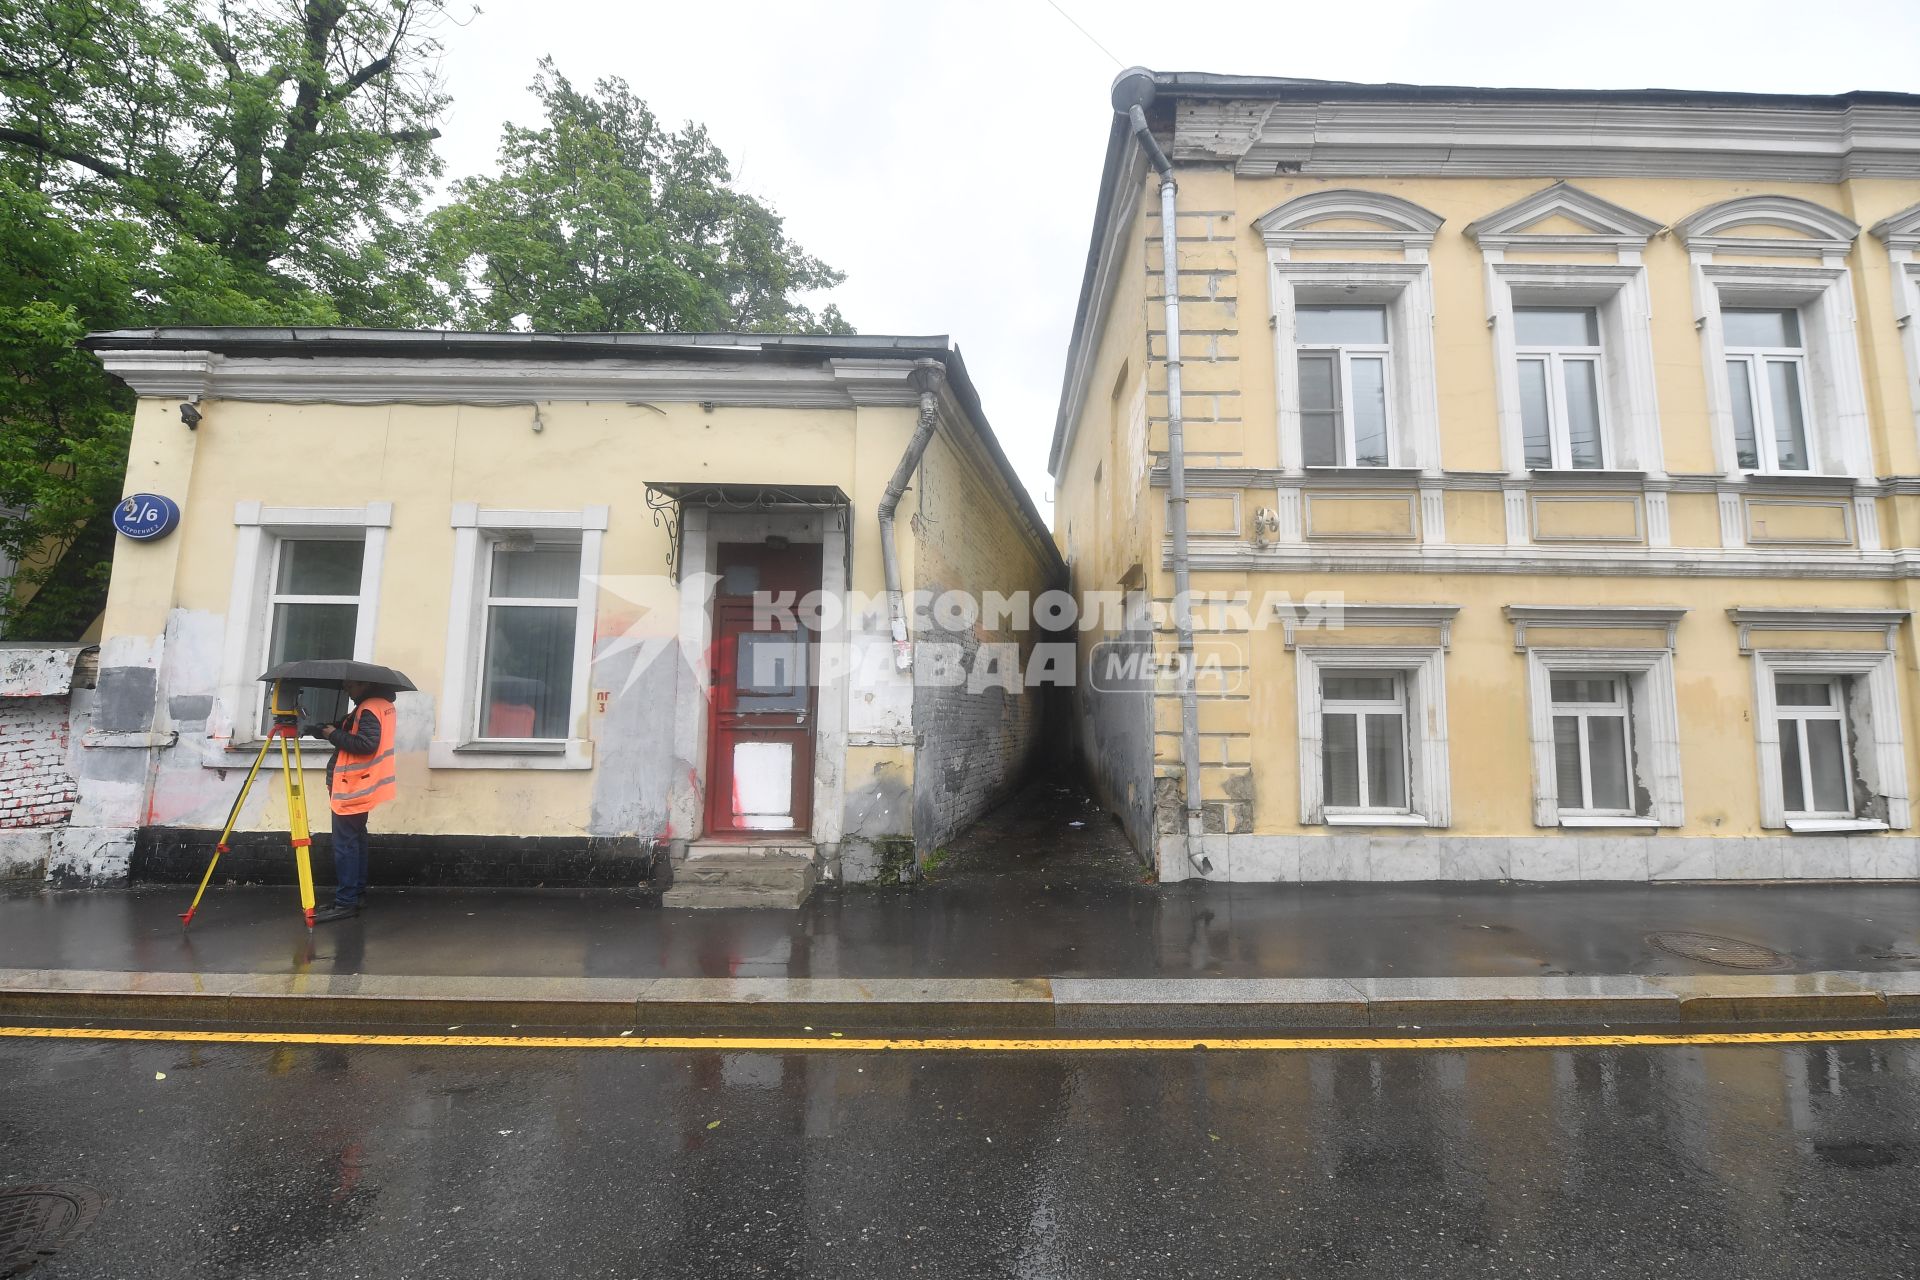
<point>125,699</point>
<point>633,744</point>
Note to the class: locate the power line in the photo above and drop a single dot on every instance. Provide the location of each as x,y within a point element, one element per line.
<point>1088,34</point>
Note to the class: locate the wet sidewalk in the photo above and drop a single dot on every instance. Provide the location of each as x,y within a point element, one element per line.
<point>1039,916</point>
<point>982,952</point>
<point>970,927</point>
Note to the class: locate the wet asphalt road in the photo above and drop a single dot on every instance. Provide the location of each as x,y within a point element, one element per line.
<point>340,1162</point>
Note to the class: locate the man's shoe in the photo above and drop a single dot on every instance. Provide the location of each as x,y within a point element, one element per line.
<point>338,911</point>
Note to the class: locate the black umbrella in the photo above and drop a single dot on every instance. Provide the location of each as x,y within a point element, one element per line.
<point>331,673</point>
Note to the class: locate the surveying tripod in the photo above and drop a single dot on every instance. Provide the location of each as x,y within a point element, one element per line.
<point>285,731</point>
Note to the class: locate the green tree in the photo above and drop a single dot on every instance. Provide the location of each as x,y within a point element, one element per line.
<point>184,161</point>
<point>601,219</point>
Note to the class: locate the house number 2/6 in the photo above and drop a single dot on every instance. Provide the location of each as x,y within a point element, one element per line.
<point>146,516</point>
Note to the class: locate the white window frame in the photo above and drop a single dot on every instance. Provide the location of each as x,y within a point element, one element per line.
<point>1360,709</point>
<point>275,597</point>
<point>1653,727</point>
<point>456,743</point>
<point>476,734</point>
<point>1404,288</point>
<point>1556,359</point>
<point>1620,708</point>
<point>234,725</point>
<point>1833,386</point>
<point>1629,406</point>
<point>1876,747</point>
<point>1833,711</point>
<point>1766,441</point>
<point>1343,355</point>
<point>1422,670</point>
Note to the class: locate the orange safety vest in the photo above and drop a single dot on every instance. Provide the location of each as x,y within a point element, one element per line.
<point>361,782</point>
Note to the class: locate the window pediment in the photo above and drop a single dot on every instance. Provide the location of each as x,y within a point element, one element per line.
<point>1349,219</point>
<point>1563,217</point>
<point>1768,224</point>
<point>1901,230</point>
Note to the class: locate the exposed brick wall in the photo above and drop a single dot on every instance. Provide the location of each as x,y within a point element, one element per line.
<point>972,748</point>
<point>36,787</point>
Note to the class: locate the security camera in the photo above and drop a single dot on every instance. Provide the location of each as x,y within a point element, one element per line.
<point>190,414</point>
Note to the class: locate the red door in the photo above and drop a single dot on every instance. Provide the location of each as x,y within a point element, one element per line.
<point>765,660</point>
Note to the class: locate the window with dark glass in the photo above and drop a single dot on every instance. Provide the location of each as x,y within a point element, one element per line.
<point>1766,387</point>
<point>1816,769</point>
<point>1558,352</point>
<point>1342,355</point>
<point>1592,744</point>
<point>1363,741</point>
<point>313,612</point>
<point>529,622</point>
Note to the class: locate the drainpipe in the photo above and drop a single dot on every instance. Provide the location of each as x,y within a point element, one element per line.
<point>1133,91</point>
<point>927,376</point>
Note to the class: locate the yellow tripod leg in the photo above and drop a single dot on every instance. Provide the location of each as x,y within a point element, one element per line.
<point>226,833</point>
<point>297,823</point>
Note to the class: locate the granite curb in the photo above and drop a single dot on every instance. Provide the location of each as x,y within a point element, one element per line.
<point>961,1004</point>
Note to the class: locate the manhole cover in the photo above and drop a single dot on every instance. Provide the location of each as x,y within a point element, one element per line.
<point>1711,948</point>
<point>35,1222</point>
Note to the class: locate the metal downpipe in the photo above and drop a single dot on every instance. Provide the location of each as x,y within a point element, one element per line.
<point>1133,89</point>
<point>927,376</point>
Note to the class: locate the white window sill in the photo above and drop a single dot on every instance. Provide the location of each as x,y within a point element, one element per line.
<point>574,753</point>
<point>1606,820</point>
<point>1817,826</point>
<point>314,754</point>
<point>1376,820</point>
<point>1330,471</point>
<point>1800,478</point>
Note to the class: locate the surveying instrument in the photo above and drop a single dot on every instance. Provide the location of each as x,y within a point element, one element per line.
<point>285,730</point>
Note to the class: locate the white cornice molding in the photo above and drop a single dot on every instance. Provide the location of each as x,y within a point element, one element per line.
<point>1609,226</point>
<point>1556,561</point>
<point>362,380</point>
<point>1825,234</point>
<point>1402,224</point>
<point>171,375</point>
<point>1764,143</point>
<point>1084,348</point>
<point>1348,614</point>
<point>1659,617</point>
<point>1747,620</point>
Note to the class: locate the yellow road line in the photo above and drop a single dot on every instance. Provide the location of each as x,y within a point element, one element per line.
<point>994,1044</point>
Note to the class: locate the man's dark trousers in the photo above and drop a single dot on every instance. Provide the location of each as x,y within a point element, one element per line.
<point>349,858</point>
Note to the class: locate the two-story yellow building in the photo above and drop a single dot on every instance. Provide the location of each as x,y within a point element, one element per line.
<point>1542,467</point>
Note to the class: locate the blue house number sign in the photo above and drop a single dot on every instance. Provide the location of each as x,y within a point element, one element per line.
<point>146,516</point>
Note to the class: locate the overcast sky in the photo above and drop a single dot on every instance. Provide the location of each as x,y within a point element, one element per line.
<point>946,155</point>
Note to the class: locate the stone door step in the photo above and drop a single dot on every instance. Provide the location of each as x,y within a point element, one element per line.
<point>718,873</point>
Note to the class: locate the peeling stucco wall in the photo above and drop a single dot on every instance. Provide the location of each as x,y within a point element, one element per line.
<point>978,727</point>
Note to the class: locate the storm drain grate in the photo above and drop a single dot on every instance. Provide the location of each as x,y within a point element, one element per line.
<point>37,1221</point>
<point>1711,948</point>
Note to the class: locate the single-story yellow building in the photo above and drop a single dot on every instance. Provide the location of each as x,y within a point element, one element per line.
<point>660,594</point>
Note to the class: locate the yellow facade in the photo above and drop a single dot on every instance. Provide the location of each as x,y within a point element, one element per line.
<point>1460,521</point>
<point>418,453</point>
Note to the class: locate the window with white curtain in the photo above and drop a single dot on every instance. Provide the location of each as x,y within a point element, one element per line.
<point>313,611</point>
<point>1816,769</point>
<point>1561,414</point>
<point>1343,353</point>
<point>1767,388</point>
<point>1363,741</point>
<point>529,617</point>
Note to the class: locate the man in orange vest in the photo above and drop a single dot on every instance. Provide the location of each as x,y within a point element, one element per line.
<point>360,777</point>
